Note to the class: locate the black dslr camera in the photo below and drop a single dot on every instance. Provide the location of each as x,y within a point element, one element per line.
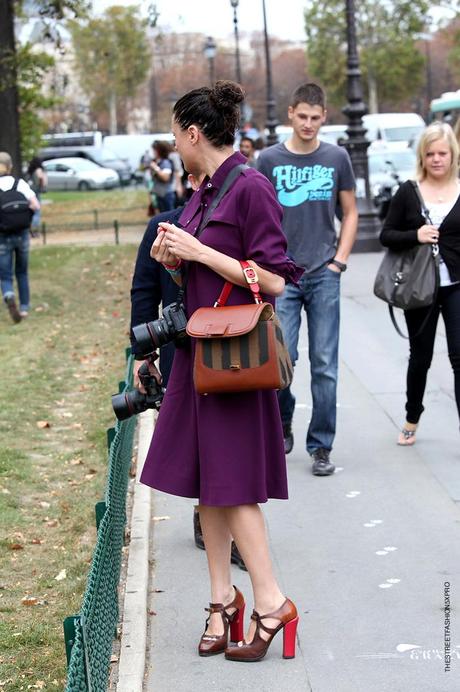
<point>127,404</point>
<point>169,327</point>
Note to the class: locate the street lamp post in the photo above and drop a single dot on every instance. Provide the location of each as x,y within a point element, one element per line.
<point>234,4</point>
<point>210,49</point>
<point>272,120</point>
<point>368,223</point>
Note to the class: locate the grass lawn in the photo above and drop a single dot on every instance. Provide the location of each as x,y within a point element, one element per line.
<point>58,370</point>
<point>128,205</point>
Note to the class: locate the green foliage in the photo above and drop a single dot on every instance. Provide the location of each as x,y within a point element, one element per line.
<point>112,55</point>
<point>31,69</point>
<point>387,33</point>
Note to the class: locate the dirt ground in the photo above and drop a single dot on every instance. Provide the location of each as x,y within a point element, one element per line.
<point>101,236</point>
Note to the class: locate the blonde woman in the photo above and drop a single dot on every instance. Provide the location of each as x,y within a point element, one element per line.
<point>437,177</point>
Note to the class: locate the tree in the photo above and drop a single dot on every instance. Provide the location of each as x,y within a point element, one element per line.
<point>12,67</point>
<point>387,34</point>
<point>113,58</point>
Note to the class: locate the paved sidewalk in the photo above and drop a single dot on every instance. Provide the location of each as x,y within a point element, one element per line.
<point>364,554</point>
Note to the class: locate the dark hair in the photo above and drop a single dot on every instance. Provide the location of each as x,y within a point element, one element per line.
<point>308,93</point>
<point>215,111</point>
<point>35,163</point>
<point>245,138</point>
<point>163,148</point>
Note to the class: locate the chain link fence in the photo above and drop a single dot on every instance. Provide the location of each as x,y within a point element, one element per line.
<point>89,635</point>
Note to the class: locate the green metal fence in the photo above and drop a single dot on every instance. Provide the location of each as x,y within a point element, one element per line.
<point>89,635</point>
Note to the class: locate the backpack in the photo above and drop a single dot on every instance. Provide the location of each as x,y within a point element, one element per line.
<point>15,213</point>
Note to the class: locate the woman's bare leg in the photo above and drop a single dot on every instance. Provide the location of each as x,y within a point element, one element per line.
<point>247,526</point>
<point>217,540</point>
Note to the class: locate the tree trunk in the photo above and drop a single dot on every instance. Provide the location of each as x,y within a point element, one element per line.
<point>113,113</point>
<point>10,140</point>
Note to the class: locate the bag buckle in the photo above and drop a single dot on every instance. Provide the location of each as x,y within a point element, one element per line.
<point>250,275</point>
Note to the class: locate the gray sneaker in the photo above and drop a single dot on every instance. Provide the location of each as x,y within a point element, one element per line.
<point>322,465</point>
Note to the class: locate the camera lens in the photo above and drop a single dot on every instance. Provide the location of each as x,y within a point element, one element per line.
<point>127,404</point>
<point>151,335</point>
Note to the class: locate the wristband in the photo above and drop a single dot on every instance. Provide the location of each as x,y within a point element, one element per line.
<point>172,267</point>
<point>340,265</point>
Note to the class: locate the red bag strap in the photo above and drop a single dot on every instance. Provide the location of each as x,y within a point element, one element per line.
<point>252,280</point>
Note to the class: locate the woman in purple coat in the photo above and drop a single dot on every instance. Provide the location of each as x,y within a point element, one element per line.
<point>225,449</point>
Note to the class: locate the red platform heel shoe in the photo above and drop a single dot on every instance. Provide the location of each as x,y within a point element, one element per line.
<point>211,644</point>
<point>256,650</point>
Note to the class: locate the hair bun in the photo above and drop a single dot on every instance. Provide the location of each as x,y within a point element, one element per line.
<point>225,94</point>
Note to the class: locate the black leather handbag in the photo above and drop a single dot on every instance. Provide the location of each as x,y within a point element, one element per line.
<point>409,279</point>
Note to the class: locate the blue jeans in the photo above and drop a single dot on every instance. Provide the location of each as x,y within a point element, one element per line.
<point>319,296</point>
<point>14,256</point>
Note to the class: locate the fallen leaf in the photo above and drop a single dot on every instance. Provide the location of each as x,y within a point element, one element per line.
<point>114,658</point>
<point>151,612</point>
<point>76,462</point>
<point>52,523</point>
<point>29,601</point>
<point>15,546</point>
<point>43,424</point>
<point>45,505</point>
<point>62,575</point>
<point>37,541</point>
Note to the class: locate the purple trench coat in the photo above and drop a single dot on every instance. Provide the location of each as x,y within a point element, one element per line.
<point>225,449</point>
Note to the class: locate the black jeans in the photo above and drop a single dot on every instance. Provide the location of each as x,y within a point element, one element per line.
<point>421,347</point>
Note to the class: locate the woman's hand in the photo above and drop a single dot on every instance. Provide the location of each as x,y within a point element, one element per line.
<point>179,243</point>
<point>160,250</point>
<point>427,234</point>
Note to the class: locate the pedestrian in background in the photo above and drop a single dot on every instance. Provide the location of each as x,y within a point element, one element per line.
<point>405,227</point>
<point>227,450</point>
<point>248,150</point>
<point>14,245</point>
<point>310,178</point>
<point>38,181</point>
<point>162,172</point>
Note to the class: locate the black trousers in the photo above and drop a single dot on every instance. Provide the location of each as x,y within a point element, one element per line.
<point>421,347</point>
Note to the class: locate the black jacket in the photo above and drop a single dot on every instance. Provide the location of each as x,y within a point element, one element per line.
<point>152,286</point>
<point>405,218</point>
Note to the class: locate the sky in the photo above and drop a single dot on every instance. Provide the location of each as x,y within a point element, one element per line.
<point>215,17</point>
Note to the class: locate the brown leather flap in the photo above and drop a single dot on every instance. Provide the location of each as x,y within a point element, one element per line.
<point>229,320</point>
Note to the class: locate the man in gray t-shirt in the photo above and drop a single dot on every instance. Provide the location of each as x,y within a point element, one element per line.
<point>311,179</point>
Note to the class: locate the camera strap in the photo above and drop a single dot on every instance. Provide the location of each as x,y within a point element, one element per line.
<point>226,185</point>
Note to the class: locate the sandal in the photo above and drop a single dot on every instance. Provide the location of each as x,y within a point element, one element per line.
<point>406,438</point>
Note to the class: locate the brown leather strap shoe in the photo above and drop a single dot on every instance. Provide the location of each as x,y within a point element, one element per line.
<point>256,650</point>
<point>211,644</point>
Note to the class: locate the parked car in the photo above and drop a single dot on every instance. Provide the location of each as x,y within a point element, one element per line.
<point>333,133</point>
<point>102,156</point>
<point>76,173</point>
<point>388,168</point>
<point>404,128</point>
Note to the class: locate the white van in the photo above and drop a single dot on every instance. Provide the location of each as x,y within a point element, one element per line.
<point>394,127</point>
<point>132,147</point>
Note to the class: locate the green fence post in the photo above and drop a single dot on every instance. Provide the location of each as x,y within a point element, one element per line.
<point>99,509</point>
<point>110,436</point>
<point>96,219</point>
<point>117,234</point>
<point>44,233</point>
<point>127,352</point>
<point>69,634</point>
